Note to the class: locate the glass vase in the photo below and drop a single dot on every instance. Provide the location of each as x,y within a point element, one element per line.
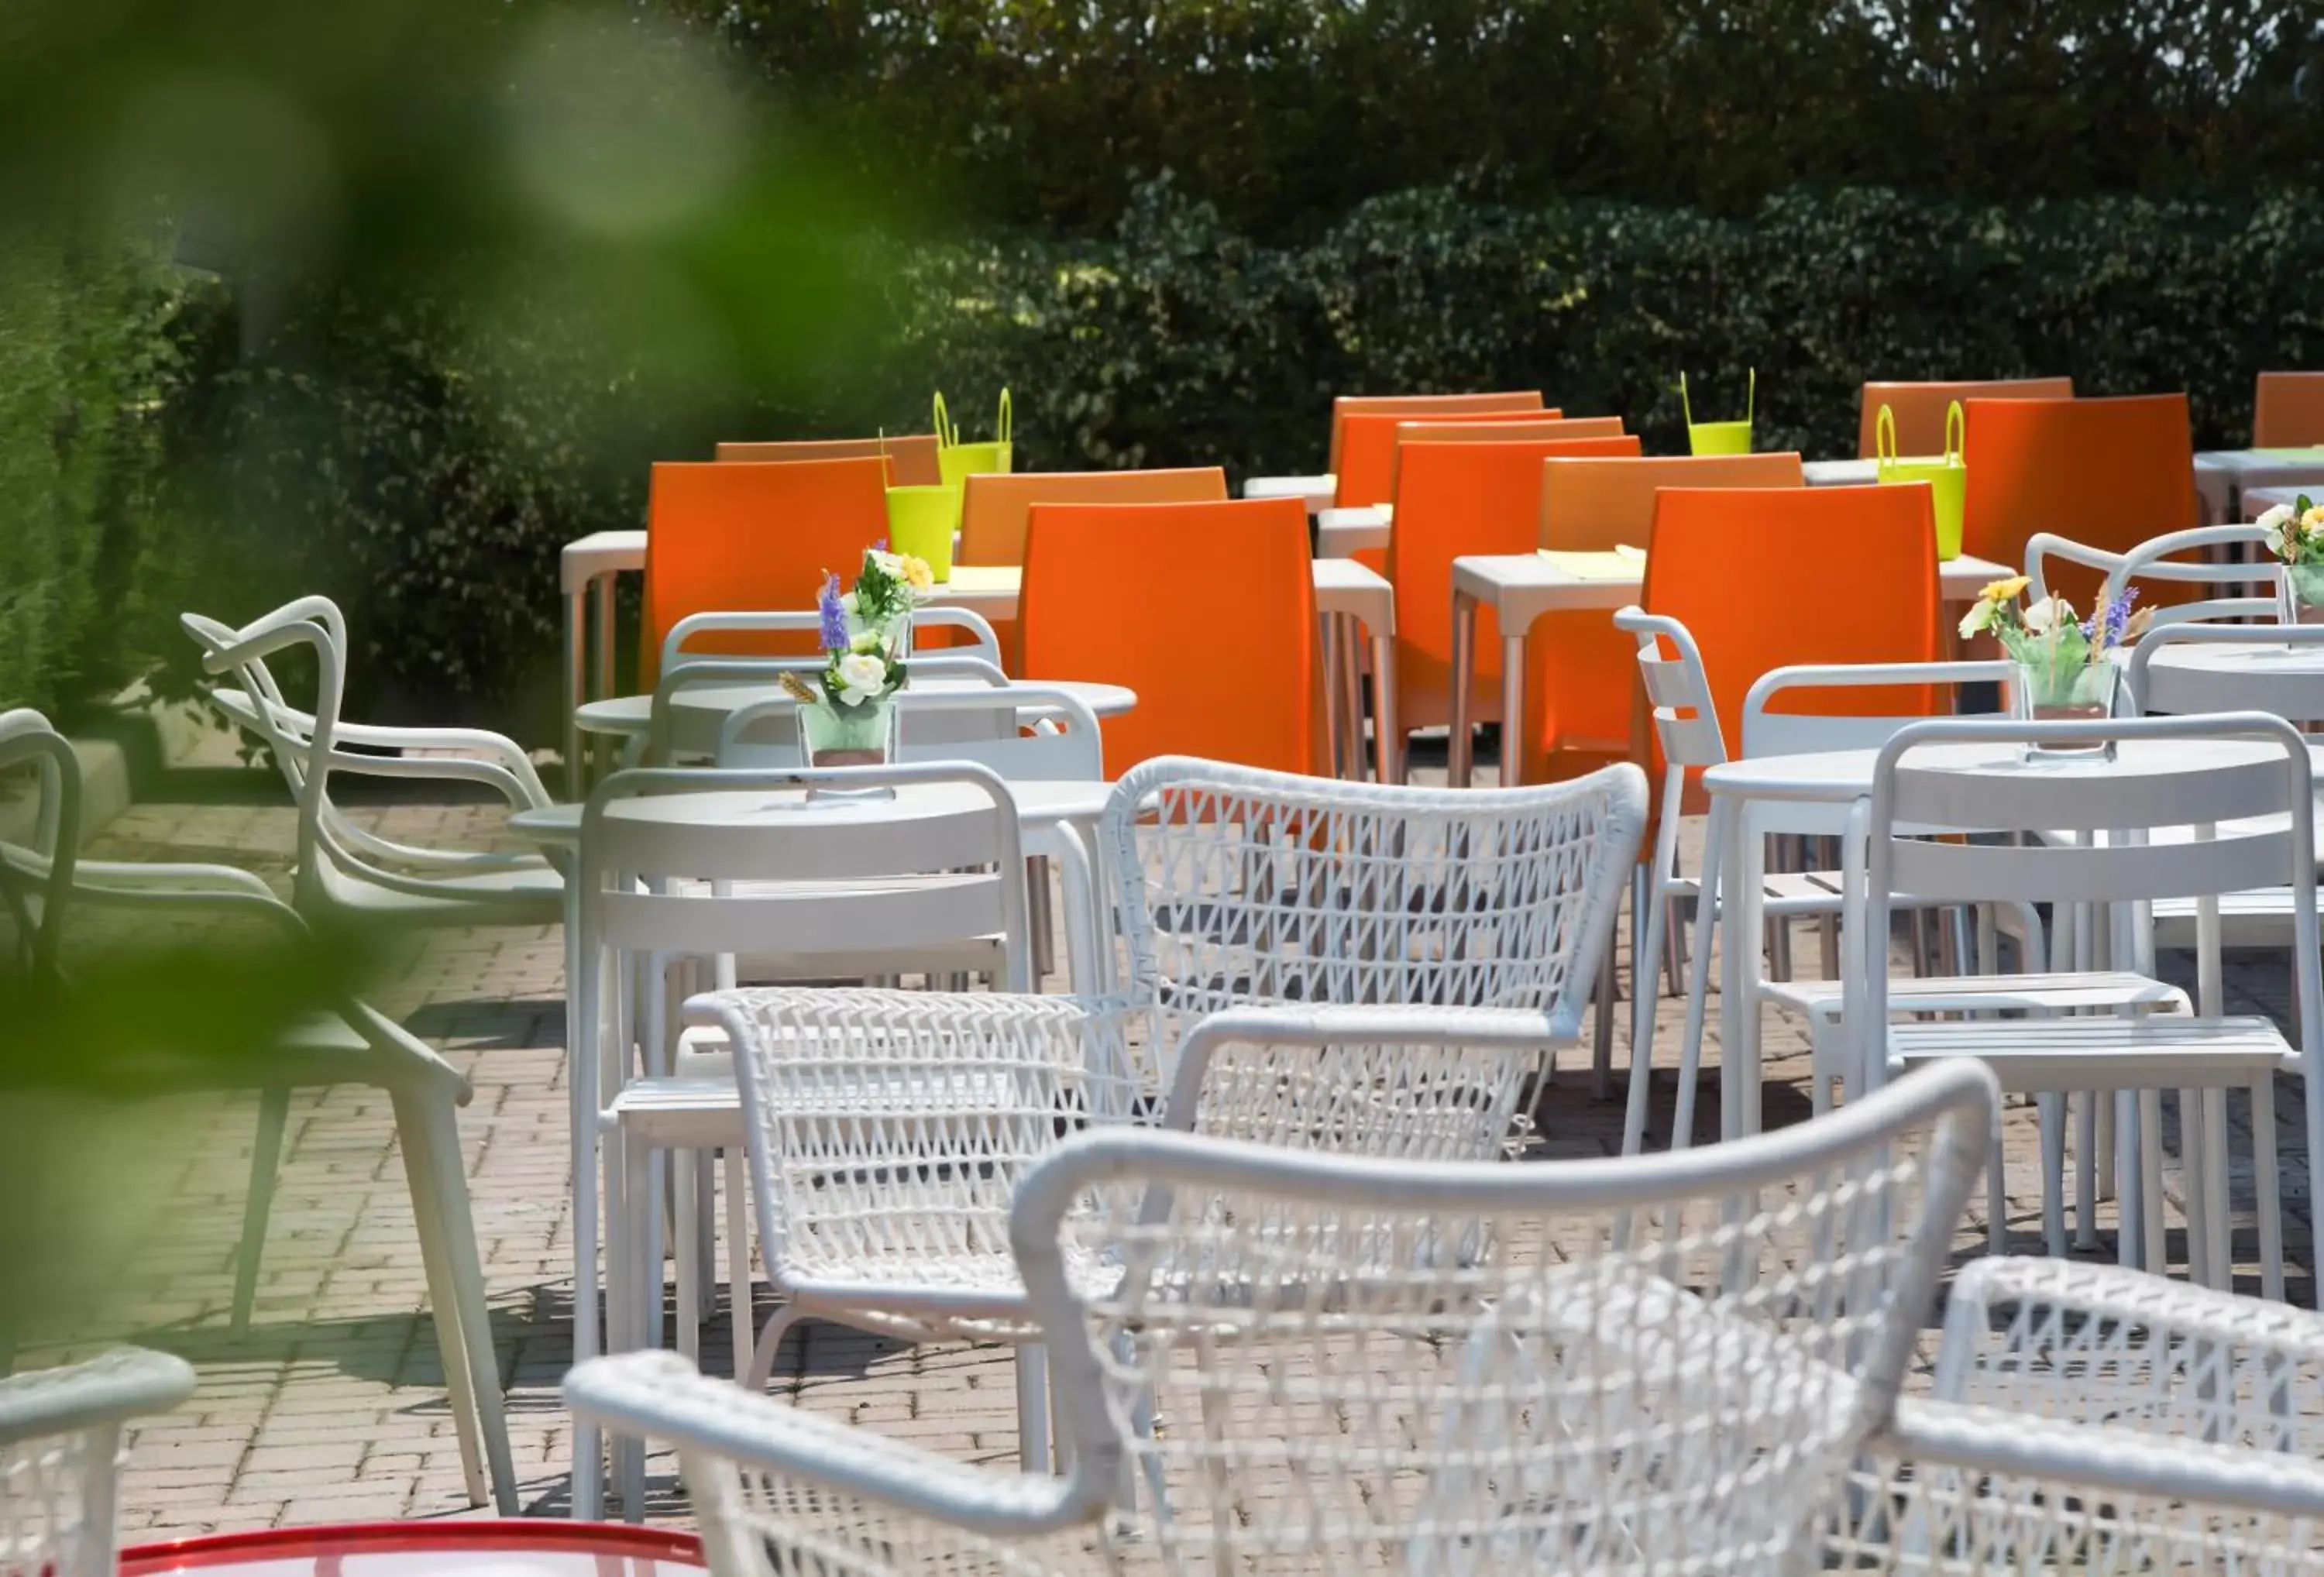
<point>2299,593</point>
<point>834,736</point>
<point>2080,692</point>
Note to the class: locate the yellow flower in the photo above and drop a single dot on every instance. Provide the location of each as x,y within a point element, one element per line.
<point>917,574</point>
<point>2311,524</point>
<point>2001,591</point>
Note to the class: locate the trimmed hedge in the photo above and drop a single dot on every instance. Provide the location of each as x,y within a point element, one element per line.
<point>426,465</point>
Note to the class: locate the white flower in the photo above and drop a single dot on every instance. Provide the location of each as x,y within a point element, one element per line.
<point>865,640</point>
<point>2050,611</point>
<point>847,603</point>
<point>1979,618</point>
<point>2271,525</point>
<point>863,677</point>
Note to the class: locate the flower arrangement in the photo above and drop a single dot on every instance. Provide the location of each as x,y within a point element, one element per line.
<point>2063,661</point>
<point>2294,532</point>
<point>866,635</point>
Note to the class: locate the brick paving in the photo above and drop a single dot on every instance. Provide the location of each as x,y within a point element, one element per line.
<point>330,1408</point>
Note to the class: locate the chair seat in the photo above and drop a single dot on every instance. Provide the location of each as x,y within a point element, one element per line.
<point>506,895</point>
<point>2155,1051</point>
<point>2024,993</point>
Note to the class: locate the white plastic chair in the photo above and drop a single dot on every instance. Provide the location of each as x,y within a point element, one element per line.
<point>352,1045</point>
<point>2154,560</point>
<point>1358,1364</point>
<point>344,870</point>
<point>2252,818</point>
<point>2094,1419</point>
<point>60,1457</point>
<point>1235,887</point>
<point>837,897</point>
<point>1686,720</point>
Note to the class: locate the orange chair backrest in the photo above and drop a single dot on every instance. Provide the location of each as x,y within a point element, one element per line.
<point>1348,405</point>
<point>1581,672</point>
<point>2107,473</point>
<point>911,457</point>
<point>1366,473</point>
<point>1767,578</point>
<point>1220,649</point>
<point>727,536</point>
<point>2288,410</point>
<point>994,507</point>
<point>1921,409</point>
<point>1456,499</point>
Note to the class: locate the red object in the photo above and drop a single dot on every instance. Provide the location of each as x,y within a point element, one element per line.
<point>515,1548</point>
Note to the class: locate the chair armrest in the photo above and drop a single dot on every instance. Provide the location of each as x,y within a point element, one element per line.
<point>481,744</point>
<point>886,1496</point>
<point>111,1389</point>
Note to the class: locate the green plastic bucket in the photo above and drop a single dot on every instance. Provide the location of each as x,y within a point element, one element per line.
<point>957,461</point>
<point>920,523</point>
<point>1720,437</point>
<point>1947,476</point>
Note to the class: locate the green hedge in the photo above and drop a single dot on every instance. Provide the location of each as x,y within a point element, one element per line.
<point>1287,112</point>
<point>426,465</point>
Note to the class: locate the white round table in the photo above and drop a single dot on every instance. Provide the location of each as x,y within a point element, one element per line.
<point>2186,677</point>
<point>697,713</point>
<point>1752,797</point>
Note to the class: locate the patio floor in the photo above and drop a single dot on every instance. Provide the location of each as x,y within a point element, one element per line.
<point>330,1408</point>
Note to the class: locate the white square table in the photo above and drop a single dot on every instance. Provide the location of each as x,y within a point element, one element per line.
<point>2224,478</point>
<point>1521,587</point>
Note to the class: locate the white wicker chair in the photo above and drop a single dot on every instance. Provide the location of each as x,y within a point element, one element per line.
<point>2091,1418</point>
<point>1234,886</point>
<point>60,1455</point>
<point>1274,1361</point>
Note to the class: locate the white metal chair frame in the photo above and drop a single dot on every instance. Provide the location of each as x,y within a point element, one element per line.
<point>356,1045</point>
<point>1350,1366</point>
<point>343,868</point>
<point>2152,560</point>
<point>1686,719</point>
<point>841,890</point>
<point>987,647</point>
<point>61,1441</point>
<point>2250,821</point>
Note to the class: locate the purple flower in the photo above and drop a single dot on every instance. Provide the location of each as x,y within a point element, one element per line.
<point>2104,628</point>
<point>835,617</point>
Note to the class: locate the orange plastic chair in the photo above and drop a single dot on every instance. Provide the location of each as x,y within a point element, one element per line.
<point>2288,410</point>
<point>1453,499</point>
<point>994,507</point>
<point>1217,635</point>
<point>1767,578</point>
<point>1348,405</point>
<point>728,536</point>
<point>1921,410</point>
<point>2107,473</point>
<point>911,457</point>
<point>1367,468</point>
<point>1581,674</point>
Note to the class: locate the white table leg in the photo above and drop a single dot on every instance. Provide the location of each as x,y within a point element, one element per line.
<point>602,588</point>
<point>577,684</point>
<point>1389,744</point>
<point>1513,684</point>
<point>1457,764</point>
<point>1740,903</point>
<point>1698,986</point>
<point>1335,738</point>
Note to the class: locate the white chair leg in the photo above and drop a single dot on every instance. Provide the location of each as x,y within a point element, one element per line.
<point>2085,1169</point>
<point>2053,1108</point>
<point>2195,1172</point>
<point>2150,1181</point>
<point>763,1350</point>
<point>443,1301</point>
<point>739,1259</point>
<point>641,1324</point>
<point>686,1201</point>
<point>1033,1408</point>
<point>265,1161</point>
<point>1644,1002</point>
<point>1601,1045</point>
<point>2219,1229</point>
<point>1698,985</point>
<point>2269,1203</point>
<point>1996,1192</point>
<point>457,1231</point>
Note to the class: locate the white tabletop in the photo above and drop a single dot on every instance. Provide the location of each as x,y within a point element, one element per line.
<point>2258,500</point>
<point>2219,472</point>
<point>1834,777</point>
<point>599,553</point>
<point>1038,804</point>
<point>628,715</point>
<point>1316,492</point>
<point>1525,585</point>
<point>1842,473</point>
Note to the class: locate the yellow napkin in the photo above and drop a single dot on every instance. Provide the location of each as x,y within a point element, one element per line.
<point>1615,566</point>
